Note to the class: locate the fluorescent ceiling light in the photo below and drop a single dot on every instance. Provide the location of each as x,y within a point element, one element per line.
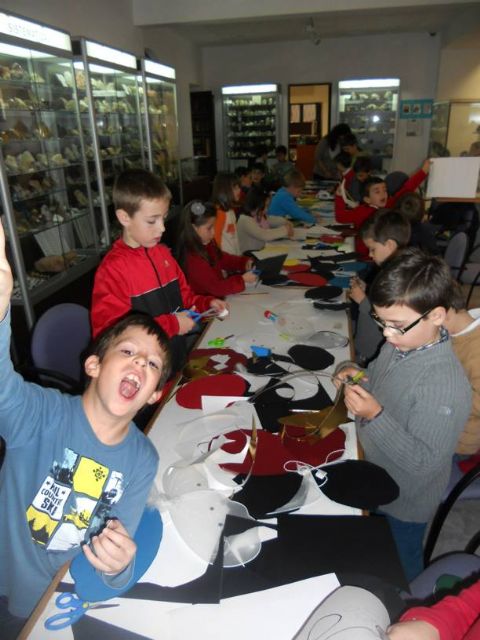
<point>22,52</point>
<point>159,69</point>
<point>108,54</point>
<point>250,88</point>
<point>37,33</point>
<point>373,83</point>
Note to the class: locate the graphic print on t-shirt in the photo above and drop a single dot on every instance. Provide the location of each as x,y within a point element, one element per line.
<point>75,497</point>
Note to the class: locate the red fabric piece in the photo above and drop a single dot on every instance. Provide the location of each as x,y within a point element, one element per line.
<point>190,395</point>
<point>207,278</point>
<point>308,279</point>
<point>273,453</point>
<point>331,239</point>
<point>296,268</point>
<point>455,617</point>
<point>467,465</point>
<point>126,273</point>
<point>234,359</point>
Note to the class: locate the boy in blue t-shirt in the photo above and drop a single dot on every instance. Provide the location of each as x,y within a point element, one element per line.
<point>77,472</point>
<point>283,202</point>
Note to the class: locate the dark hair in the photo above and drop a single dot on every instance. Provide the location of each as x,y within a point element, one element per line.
<point>343,158</point>
<point>336,132</point>
<point>459,302</point>
<point>294,178</point>
<point>134,185</point>
<point>104,340</point>
<point>240,172</point>
<point>261,150</point>
<point>348,139</point>
<point>194,214</point>
<point>414,279</point>
<point>387,225</point>
<point>254,201</point>
<point>412,206</point>
<point>258,166</point>
<point>369,182</point>
<point>395,181</point>
<point>362,164</point>
<point>281,148</point>
<point>222,193</point>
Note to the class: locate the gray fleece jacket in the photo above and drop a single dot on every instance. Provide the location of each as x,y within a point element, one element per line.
<point>426,401</point>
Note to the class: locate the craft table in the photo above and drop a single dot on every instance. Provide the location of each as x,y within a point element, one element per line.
<point>268,612</point>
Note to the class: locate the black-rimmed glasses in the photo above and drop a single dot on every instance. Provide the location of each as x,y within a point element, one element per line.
<point>397,330</point>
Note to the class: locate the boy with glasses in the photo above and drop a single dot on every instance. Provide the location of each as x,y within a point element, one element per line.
<point>416,398</point>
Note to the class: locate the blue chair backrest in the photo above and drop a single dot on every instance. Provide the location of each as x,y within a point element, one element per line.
<point>60,336</point>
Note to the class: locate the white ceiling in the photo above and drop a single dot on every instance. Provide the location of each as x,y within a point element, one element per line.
<point>432,19</point>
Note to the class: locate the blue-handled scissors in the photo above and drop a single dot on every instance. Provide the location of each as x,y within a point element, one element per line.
<point>76,609</point>
<point>195,315</point>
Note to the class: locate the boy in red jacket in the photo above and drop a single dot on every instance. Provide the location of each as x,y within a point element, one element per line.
<point>139,273</point>
<point>375,197</point>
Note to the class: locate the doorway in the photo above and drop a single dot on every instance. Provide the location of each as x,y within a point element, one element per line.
<point>308,121</point>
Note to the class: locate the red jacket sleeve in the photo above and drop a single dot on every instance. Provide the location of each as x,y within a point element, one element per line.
<point>410,185</point>
<point>189,297</point>
<point>355,216</point>
<point>230,263</point>
<point>453,616</point>
<point>110,297</point>
<point>206,279</point>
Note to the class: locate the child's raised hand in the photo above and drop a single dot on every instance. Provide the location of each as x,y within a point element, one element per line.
<point>113,549</point>
<point>426,165</point>
<point>249,277</point>
<point>361,403</point>
<point>185,322</point>
<point>6,278</point>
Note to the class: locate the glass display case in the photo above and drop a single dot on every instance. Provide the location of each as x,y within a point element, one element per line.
<point>159,108</point>
<point>370,108</point>
<point>46,198</point>
<point>455,128</point>
<point>108,93</point>
<point>250,117</point>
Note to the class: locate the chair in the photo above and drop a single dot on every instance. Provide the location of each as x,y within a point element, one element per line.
<point>461,487</point>
<point>470,274</point>
<point>58,340</point>
<point>456,253</point>
<point>462,565</point>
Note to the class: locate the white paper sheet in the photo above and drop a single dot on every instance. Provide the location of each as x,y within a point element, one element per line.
<point>453,178</point>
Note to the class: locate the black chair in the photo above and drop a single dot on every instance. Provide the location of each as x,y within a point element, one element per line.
<point>461,487</point>
<point>59,339</point>
<point>456,253</point>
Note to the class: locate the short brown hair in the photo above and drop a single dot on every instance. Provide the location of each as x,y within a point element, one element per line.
<point>135,185</point>
<point>294,178</point>
<point>387,225</point>
<point>412,206</point>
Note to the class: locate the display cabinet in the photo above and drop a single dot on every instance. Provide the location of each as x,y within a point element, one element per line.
<point>108,92</point>
<point>455,128</point>
<point>250,117</point>
<point>159,109</point>
<point>45,195</point>
<point>370,108</point>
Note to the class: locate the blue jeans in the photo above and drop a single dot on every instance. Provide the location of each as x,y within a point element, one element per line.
<point>408,538</point>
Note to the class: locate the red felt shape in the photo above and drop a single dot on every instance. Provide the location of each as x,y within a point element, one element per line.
<point>331,239</point>
<point>296,268</point>
<point>272,452</point>
<point>468,464</point>
<point>190,395</point>
<point>308,279</point>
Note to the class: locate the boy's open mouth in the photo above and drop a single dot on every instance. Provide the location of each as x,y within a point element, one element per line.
<point>129,386</point>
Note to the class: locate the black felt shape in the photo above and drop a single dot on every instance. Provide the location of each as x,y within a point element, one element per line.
<point>270,413</point>
<point>332,306</point>
<point>311,358</point>
<point>264,367</point>
<point>344,257</point>
<point>323,293</point>
<point>273,280</point>
<point>310,546</point>
<point>358,483</point>
<point>321,400</point>
<point>263,494</point>
<point>89,627</point>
